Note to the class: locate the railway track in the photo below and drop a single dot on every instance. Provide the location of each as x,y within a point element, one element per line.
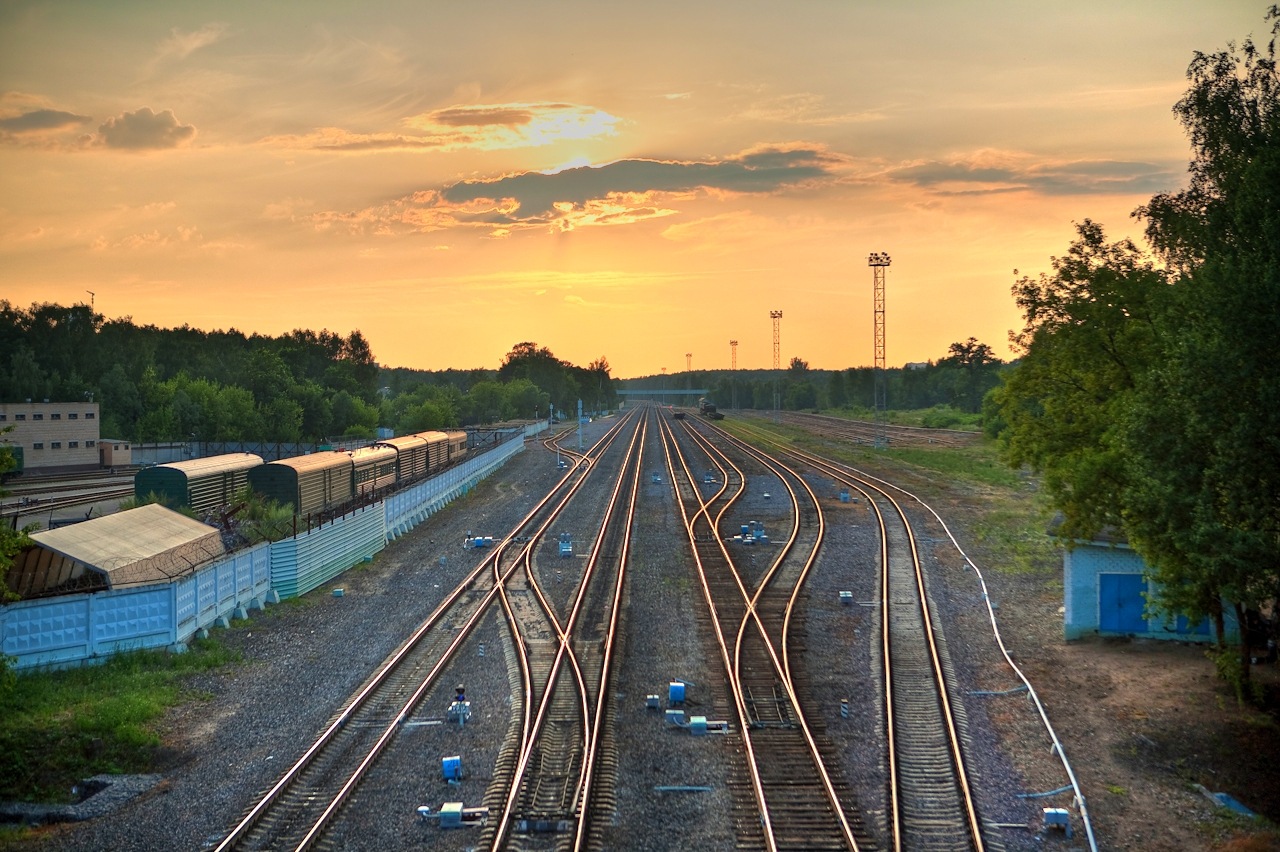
<point>549,790</point>
<point>932,804</point>
<point>296,812</point>
<point>800,801</point>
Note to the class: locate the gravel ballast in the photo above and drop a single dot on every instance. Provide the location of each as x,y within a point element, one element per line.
<point>247,722</point>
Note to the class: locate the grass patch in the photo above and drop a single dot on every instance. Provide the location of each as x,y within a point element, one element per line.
<point>978,464</point>
<point>1011,521</point>
<point>62,726</point>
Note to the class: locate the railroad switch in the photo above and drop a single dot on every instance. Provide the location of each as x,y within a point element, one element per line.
<point>544,826</point>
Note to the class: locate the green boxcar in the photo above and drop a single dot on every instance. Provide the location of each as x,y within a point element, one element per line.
<point>198,484</point>
<point>15,451</point>
<point>308,483</point>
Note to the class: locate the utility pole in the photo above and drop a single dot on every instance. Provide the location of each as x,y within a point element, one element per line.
<point>879,263</point>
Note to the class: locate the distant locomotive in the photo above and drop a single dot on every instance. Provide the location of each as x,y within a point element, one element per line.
<point>707,409</point>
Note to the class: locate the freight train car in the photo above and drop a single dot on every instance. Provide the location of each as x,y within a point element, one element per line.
<point>457,446</point>
<point>308,483</point>
<point>411,455</point>
<point>437,449</point>
<point>374,468</point>
<point>198,484</point>
<point>15,451</point>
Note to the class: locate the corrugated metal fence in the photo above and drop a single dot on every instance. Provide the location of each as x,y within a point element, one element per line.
<point>70,629</point>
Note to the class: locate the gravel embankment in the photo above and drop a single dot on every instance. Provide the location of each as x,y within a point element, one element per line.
<point>248,722</point>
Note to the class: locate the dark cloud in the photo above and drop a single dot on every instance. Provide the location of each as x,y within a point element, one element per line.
<point>145,130</point>
<point>486,116</point>
<point>42,119</point>
<point>1104,177</point>
<point>537,194</point>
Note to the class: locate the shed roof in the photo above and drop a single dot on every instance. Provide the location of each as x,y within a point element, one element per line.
<point>149,544</point>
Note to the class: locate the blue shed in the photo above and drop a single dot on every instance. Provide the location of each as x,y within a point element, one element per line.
<point>1105,593</point>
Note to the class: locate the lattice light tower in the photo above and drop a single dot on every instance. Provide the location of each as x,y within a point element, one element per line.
<point>688,362</point>
<point>879,262</point>
<point>777,359</point>
<point>777,338</point>
<point>733,365</point>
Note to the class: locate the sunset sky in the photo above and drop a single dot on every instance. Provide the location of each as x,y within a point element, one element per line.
<point>630,180</point>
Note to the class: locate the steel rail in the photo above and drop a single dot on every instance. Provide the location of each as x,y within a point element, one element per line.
<point>669,443</point>
<point>870,492</point>
<point>780,658</point>
<point>995,627</point>
<point>564,650</point>
<point>354,704</point>
<point>581,836</point>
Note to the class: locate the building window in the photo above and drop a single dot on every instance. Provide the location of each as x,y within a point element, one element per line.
<point>38,445</point>
<point>3,417</point>
<point>88,415</point>
<point>19,417</point>
<point>56,445</point>
<point>55,416</point>
<point>90,443</point>
<point>37,416</point>
<point>71,445</point>
<point>72,416</point>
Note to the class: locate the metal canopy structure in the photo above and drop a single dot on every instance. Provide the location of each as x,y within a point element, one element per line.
<point>149,544</point>
<point>650,393</point>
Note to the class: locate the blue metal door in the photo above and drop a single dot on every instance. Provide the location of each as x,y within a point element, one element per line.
<point>1121,599</point>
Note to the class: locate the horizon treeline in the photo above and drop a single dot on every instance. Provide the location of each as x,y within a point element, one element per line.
<point>956,384</point>
<point>163,384</point>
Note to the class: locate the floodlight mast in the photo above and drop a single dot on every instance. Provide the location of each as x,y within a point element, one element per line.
<point>733,365</point>
<point>879,262</point>
<point>776,316</point>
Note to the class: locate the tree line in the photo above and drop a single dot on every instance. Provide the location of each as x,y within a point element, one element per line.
<point>955,384</point>
<point>1147,393</point>
<point>163,384</point>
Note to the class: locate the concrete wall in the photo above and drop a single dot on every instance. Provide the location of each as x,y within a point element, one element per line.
<point>70,629</point>
<point>73,629</point>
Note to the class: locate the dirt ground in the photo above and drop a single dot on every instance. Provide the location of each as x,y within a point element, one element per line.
<point>1144,723</point>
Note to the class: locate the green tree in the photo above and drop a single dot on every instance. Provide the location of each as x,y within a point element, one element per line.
<point>974,366</point>
<point>352,416</point>
<point>836,392</point>
<point>1088,336</point>
<point>1202,434</point>
<point>486,403</point>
